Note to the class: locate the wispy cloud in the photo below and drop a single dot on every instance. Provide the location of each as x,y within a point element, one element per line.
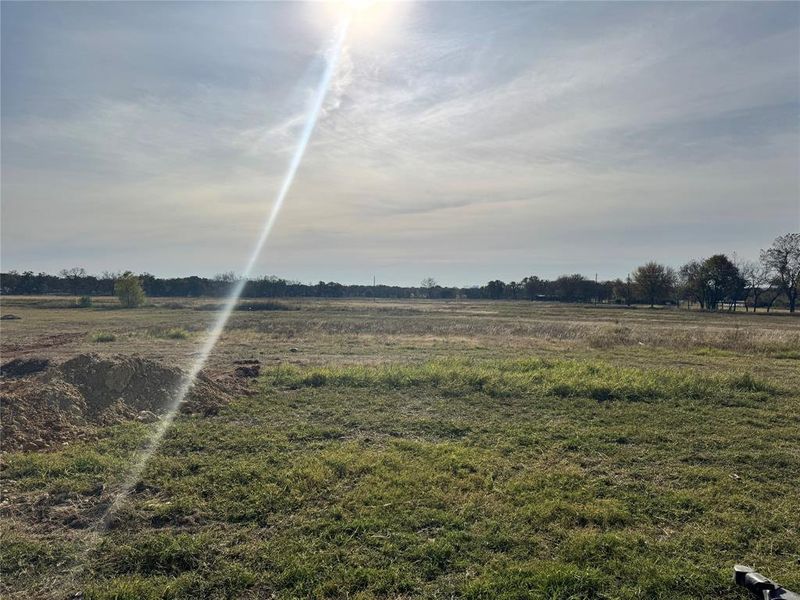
<point>469,143</point>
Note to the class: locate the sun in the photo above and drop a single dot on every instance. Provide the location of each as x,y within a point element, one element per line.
<point>356,6</point>
<point>366,18</point>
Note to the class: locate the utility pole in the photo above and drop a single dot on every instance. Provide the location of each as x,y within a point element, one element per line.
<point>596,291</point>
<point>374,291</point>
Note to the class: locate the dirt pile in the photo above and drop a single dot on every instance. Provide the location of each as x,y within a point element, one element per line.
<point>139,383</point>
<point>34,416</point>
<point>56,404</point>
<point>247,368</point>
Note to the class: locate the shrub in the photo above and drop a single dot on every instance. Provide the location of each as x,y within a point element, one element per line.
<point>84,302</point>
<point>129,290</point>
<point>103,336</point>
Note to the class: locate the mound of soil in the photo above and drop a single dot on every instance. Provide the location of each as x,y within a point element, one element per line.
<point>35,416</point>
<point>247,368</point>
<point>139,383</point>
<point>60,403</point>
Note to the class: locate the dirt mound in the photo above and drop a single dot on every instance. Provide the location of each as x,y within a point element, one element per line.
<point>20,367</point>
<point>36,416</point>
<point>247,368</point>
<point>139,383</point>
<point>10,318</point>
<point>88,390</point>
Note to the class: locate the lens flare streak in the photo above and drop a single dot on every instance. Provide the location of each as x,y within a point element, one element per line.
<point>332,58</point>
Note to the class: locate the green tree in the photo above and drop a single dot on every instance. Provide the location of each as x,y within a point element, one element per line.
<point>654,282</point>
<point>722,280</point>
<point>712,281</point>
<point>495,289</point>
<point>691,282</point>
<point>129,290</point>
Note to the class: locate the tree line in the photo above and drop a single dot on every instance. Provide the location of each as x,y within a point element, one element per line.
<point>710,283</point>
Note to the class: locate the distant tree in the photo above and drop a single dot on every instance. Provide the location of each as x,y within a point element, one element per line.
<point>711,281</point>
<point>495,289</point>
<point>654,282</point>
<point>782,259</point>
<point>721,279</point>
<point>472,293</point>
<point>74,277</point>
<point>329,290</point>
<point>756,277</point>
<point>514,290</point>
<point>429,285</point>
<point>605,291</point>
<point>690,283</point>
<point>129,290</point>
<point>617,291</point>
<point>534,287</point>
<point>222,283</point>
<point>574,288</point>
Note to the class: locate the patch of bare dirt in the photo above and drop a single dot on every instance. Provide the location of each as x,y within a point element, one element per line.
<point>20,367</point>
<point>49,406</point>
<point>42,343</point>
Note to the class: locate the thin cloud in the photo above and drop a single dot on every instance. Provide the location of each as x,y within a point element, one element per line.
<point>466,143</point>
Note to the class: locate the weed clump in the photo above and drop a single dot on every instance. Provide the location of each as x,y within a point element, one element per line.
<point>171,333</point>
<point>102,337</point>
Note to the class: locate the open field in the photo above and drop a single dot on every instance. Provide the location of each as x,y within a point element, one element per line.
<point>423,449</point>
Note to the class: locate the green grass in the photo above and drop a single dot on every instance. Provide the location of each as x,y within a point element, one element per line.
<point>787,354</point>
<point>535,377</point>
<point>519,478</point>
<point>102,337</point>
<point>428,450</point>
<point>171,333</point>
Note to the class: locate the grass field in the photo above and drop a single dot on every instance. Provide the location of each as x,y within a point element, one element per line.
<point>425,450</point>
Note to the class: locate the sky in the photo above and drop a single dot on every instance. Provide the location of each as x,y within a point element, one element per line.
<point>459,141</point>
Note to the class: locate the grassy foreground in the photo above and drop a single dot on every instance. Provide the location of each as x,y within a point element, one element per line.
<point>506,478</point>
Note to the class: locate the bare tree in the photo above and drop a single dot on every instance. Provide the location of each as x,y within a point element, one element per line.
<point>74,276</point>
<point>783,260</point>
<point>429,285</point>
<point>756,276</point>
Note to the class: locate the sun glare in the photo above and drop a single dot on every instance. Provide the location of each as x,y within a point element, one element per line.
<point>358,5</point>
<point>368,18</point>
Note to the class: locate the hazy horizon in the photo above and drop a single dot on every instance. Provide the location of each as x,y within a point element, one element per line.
<point>460,141</point>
